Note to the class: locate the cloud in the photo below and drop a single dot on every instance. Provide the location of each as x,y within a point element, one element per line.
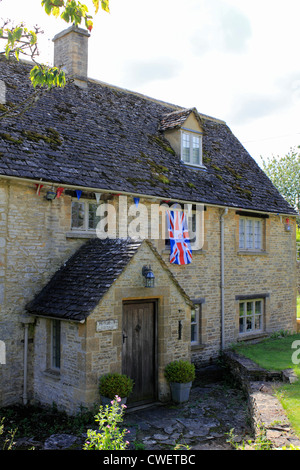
<point>250,106</point>
<point>224,29</point>
<point>139,72</point>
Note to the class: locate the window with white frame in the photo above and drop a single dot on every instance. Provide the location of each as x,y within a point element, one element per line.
<point>84,216</point>
<point>191,148</point>
<point>251,316</point>
<point>250,234</point>
<point>55,344</point>
<point>195,325</point>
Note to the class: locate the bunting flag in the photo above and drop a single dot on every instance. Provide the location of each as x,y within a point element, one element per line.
<point>181,252</point>
<point>98,196</point>
<point>78,192</point>
<point>136,201</point>
<point>59,192</point>
<point>38,189</point>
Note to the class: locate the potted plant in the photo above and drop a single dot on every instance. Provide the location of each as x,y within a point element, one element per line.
<point>115,384</point>
<point>180,375</point>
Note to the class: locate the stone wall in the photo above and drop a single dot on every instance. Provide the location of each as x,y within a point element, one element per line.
<point>33,245</point>
<point>35,240</point>
<point>87,353</point>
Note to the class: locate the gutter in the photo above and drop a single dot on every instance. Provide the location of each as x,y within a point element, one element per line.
<point>222,248</point>
<point>132,194</point>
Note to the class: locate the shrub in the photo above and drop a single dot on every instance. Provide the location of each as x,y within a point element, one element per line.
<point>180,371</point>
<point>115,384</point>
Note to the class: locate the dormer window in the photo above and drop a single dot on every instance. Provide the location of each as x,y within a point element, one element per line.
<point>191,148</point>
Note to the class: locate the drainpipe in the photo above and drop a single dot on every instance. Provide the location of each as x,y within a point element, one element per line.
<point>224,213</point>
<point>25,320</point>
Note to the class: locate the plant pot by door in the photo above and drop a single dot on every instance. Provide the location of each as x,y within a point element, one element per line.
<point>180,391</point>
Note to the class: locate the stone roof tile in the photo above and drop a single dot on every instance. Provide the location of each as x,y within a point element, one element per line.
<point>112,139</point>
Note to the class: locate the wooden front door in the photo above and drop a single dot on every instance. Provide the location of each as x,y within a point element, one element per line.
<point>139,349</point>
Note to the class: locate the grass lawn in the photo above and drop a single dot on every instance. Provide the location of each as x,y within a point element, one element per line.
<point>276,354</point>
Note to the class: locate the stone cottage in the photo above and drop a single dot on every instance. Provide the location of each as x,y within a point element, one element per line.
<point>90,178</point>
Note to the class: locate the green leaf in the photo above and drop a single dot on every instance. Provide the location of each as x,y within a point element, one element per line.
<point>105,5</point>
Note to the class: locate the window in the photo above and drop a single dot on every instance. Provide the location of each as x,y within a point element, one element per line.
<point>55,345</point>
<point>84,215</point>
<point>251,316</point>
<point>250,234</point>
<point>191,148</point>
<point>195,325</point>
<point>194,218</point>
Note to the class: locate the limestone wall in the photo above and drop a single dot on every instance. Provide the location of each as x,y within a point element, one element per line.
<point>88,353</point>
<point>35,240</point>
<point>33,245</point>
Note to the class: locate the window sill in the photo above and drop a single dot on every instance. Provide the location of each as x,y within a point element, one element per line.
<point>253,253</point>
<point>53,374</point>
<point>251,336</point>
<point>75,234</point>
<point>194,166</point>
<point>197,347</point>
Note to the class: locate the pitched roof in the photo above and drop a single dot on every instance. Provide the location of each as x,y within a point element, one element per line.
<point>107,138</point>
<point>78,286</point>
<point>176,119</point>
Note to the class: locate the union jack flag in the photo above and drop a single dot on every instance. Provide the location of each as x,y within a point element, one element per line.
<point>181,252</point>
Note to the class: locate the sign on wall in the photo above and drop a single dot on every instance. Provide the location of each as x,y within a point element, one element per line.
<point>106,325</point>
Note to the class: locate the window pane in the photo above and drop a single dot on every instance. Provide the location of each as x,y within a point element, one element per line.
<point>193,333</point>
<point>257,234</point>
<point>93,218</point>
<point>249,308</point>
<point>193,316</point>
<point>56,344</point>
<point>249,234</point>
<point>241,325</point>
<point>77,215</point>
<point>249,323</point>
<point>258,322</point>
<point>258,307</point>
<point>186,148</point>
<point>196,150</point>
<point>242,233</point>
<point>242,309</point>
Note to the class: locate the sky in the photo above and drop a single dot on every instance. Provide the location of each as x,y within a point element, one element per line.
<point>235,60</point>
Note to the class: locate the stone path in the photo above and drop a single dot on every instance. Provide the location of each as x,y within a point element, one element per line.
<point>201,423</point>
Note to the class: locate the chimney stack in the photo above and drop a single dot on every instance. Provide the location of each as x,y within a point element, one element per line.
<point>71,53</point>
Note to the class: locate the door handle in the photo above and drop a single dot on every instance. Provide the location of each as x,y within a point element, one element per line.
<point>124,337</point>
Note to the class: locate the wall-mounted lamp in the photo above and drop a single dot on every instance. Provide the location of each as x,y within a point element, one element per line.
<point>50,195</point>
<point>149,276</point>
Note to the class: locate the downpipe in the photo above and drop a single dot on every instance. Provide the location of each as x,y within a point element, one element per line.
<point>222,248</point>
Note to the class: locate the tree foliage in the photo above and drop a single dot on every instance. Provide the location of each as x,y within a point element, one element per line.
<point>284,173</point>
